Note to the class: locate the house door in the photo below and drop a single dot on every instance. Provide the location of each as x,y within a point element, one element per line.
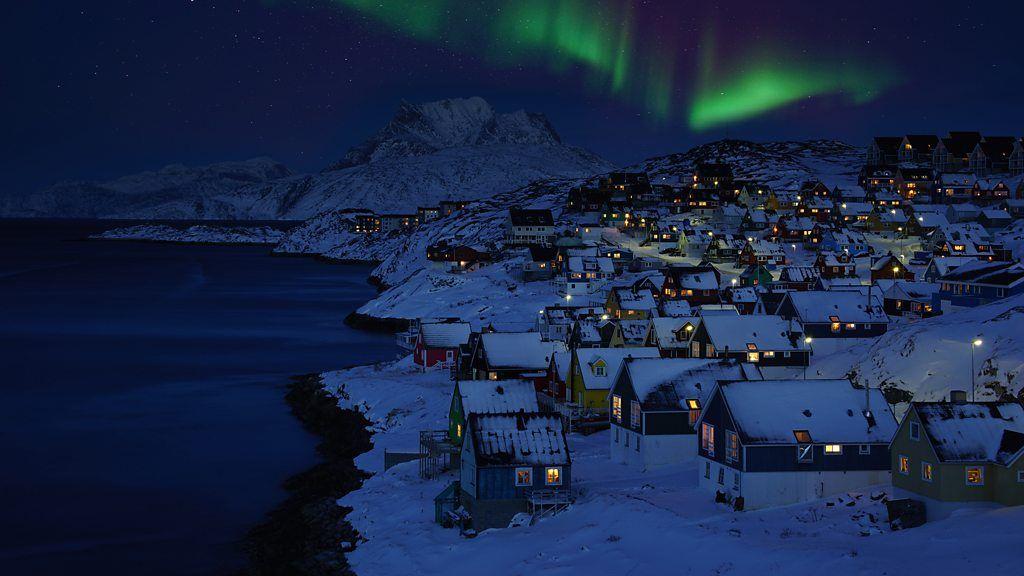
<point>449,357</point>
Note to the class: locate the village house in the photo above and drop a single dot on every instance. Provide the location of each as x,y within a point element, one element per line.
<point>992,155</point>
<point>990,190</point>
<point>816,208</point>
<point>755,220</point>
<point>671,335</point>
<point>629,334</point>
<point>909,299</point>
<point>960,213</point>
<point>427,213</point>
<point>729,216</point>
<point>762,253</point>
<point>910,182</point>
<point>796,278</point>
<point>953,187</point>
<point>890,221</point>
<point>512,356</point>
<point>585,275</point>
<point>1017,158</point>
<point>712,175</point>
<point>654,404</point>
<point>846,241</point>
<point>918,149</point>
<point>778,442</point>
<point>959,454</point>
<point>924,223</point>
<point>555,322</point>
<point>541,263</point>
<point>695,284</point>
<point>398,223</point>
<point>757,339</point>
<point>835,313</point>
<point>889,267</point>
<point>884,150</point>
<point>850,213</point>
<point>755,275</point>
<point>797,230</point>
<point>782,201</point>
<point>753,195</point>
<point>995,218</point>
<point>978,283</point>
<point>628,303</point>
<point>525,227</point>
<point>485,397</point>
<point>591,333</point>
<point>744,299</point>
<point>724,248</point>
<point>831,265</point>
<point>513,463</point>
<point>694,241</point>
<point>592,372</point>
<point>437,343</point>
<point>942,265</point>
<point>457,258</point>
<point>874,177</point>
<point>366,223</point>
<point>449,207</point>
<point>886,200</point>
<point>954,152</point>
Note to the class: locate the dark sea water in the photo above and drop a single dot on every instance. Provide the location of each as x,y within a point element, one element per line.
<point>142,422</point>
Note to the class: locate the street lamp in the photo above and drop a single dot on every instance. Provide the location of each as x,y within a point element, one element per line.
<point>807,341</point>
<point>977,342</point>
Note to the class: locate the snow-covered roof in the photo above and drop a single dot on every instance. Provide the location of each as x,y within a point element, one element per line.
<point>633,331</point>
<point>666,383</point>
<point>497,397</point>
<point>630,299</point>
<point>855,208</point>
<point>586,264</point>
<point>445,334</point>
<point>510,439</point>
<point>737,333</point>
<point>969,432</point>
<point>518,350</point>
<point>562,362</point>
<point>831,411</point>
<point>798,274</point>
<point>931,220</point>
<point>676,308</point>
<point>612,358</point>
<point>957,179</point>
<point>765,248</point>
<point>903,290</point>
<point>667,329</point>
<point>946,264</point>
<point>848,306</point>
<point>1002,274</point>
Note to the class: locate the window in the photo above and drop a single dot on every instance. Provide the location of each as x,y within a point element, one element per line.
<point>458,430</point>
<point>802,436</point>
<point>915,431</point>
<point>904,465</point>
<point>634,414</point>
<point>864,449</point>
<point>492,375</point>
<point>926,471</point>
<point>736,481</point>
<point>709,350</point>
<point>617,408</point>
<point>627,439</point>
<point>638,443</point>
<point>833,449</point>
<point>835,327</point>
<point>707,439</point>
<point>553,476</point>
<point>752,356</point>
<point>599,370</point>
<point>721,476</point>
<point>1020,476</point>
<point>805,453</point>
<point>707,470</point>
<point>975,476</point>
<point>524,476</point>
<point>771,354</point>
<point>732,446</point>
<point>693,405</point>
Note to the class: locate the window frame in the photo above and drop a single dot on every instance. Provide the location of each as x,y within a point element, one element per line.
<point>617,408</point>
<point>547,475</point>
<point>707,470</point>
<point>805,453</point>
<point>529,476</point>
<point>1020,476</point>
<point>833,450</point>
<point>915,431</point>
<point>864,449</point>
<point>731,438</point>
<point>707,431</point>
<point>721,476</point>
<point>981,475</point>
<point>634,415</point>
<point>927,466</point>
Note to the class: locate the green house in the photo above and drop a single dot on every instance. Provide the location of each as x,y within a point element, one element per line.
<point>952,455</point>
<point>756,275</point>
<point>487,397</point>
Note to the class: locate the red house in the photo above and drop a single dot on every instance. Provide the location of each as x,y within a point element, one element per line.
<point>437,345</point>
<point>889,267</point>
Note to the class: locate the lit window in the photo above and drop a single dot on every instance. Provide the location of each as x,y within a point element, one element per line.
<point>802,436</point>
<point>492,375</point>
<point>975,476</point>
<point>524,476</point>
<point>752,356</point>
<point>915,431</point>
<point>926,471</point>
<point>833,449</point>
<point>634,414</point>
<point>707,439</point>
<point>617,408</point>
<point>904,465</point>
<point>732,446</point>
<point>835,327</point>
<point>458,430</point>
<point>553,476</point>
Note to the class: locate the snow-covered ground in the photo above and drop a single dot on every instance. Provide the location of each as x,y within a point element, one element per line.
<point>626,522</point>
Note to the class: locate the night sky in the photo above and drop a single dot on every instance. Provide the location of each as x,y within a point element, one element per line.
<point>94,90</point>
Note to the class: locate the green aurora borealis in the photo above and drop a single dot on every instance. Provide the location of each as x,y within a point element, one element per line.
<point>621,60</point>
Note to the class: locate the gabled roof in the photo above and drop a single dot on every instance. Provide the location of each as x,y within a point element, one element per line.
<point>888,143</point>
<point>971,432</point>
<point>849,306</point>
<point>738,333</point>
<point>1004,274</point>
<point>666,383</point>
<point>798,274</point>
<point>904,290</point>
<point>630,299</point>
<point>676,308</point>
<point>612,358</point>
<point>511,439</point>
<point>922,142</point>
<point>633,331</point>
<point>945,264</point>
<point>525,217</point>
<point>496,397</point>
<point>518,350</point>
<point>832,411</point>
<point>445,334</point>
<point>668,329</point>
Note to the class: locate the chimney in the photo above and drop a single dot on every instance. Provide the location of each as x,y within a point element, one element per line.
<point>958,396</point>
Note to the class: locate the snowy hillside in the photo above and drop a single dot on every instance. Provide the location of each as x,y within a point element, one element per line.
<point>452,149</point>
<point>173,192</point>
<point>783,165</point>
<point>930,357</point>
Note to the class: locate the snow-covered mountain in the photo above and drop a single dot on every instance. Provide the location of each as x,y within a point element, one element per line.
<point>783,165</point>
<point>452,149</point>
<point>173,192</point>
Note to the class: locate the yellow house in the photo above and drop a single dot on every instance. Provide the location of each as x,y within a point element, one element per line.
<point>592,371</point>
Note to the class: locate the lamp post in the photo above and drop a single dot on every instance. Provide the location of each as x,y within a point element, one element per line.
<point>977,342</point>
<point>807,341</point>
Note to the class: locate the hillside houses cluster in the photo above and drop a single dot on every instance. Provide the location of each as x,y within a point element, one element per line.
<point>682,317</point>
<point>367,222</point>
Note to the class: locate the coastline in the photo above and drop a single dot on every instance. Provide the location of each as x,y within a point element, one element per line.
<point>308,533</point>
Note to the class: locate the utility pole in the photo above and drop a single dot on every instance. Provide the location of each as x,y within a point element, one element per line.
<point>977,342</point>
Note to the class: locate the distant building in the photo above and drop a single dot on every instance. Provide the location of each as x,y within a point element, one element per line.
<point>524,227</point>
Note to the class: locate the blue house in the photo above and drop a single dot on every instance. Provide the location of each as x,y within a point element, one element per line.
<point>779,442</point>
<point>513,463</point>
<point>853,313</point>
<point>979,282</point>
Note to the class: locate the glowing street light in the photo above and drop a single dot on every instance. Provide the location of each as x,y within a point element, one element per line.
<point>977,342</point>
